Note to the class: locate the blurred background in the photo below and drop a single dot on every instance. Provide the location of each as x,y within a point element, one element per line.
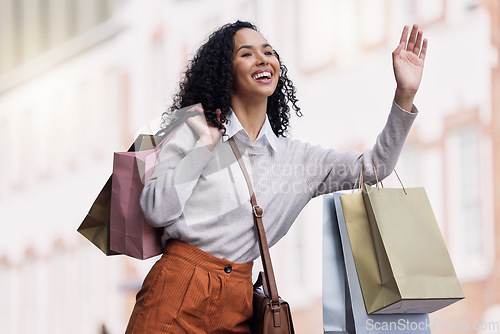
<point>79,78</point>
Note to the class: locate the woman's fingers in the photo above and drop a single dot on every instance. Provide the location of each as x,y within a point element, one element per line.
<point>402,42</point>
<point>412,39</point>
<point>423,52</point>
<point>418,43</point>
<point>404,37</point>
<point>414,43</point>
<point>198,107</point>
<point>208,135</point>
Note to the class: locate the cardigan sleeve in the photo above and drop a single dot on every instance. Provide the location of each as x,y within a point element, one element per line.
<point>328,170</point>
<point>177,170</point>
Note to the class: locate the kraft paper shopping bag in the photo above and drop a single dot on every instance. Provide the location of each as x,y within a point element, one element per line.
<point>416,274</point>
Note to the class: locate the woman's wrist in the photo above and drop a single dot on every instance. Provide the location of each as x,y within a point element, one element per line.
<point>207,142</point>
<point>404,99</point>
<point>210,140</point>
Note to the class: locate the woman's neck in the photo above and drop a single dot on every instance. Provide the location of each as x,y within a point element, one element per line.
<point>251,115</point>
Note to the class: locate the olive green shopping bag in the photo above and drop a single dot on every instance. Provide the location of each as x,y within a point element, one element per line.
<point>401,259</point>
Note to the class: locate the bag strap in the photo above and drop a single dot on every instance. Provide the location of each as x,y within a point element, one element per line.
<point>164,134</point>
<point>269,281</point>
<point>182,115</point>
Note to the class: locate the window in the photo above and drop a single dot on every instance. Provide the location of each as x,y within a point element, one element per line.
<point>372,22</point>
<point>4,157</point>
<point>429,11</point>
<point>6,36</point>
<point>28,147</point>
<point>322,29</point>
<point>468,192</point>
<point>43,24</point>
<point>470,220</point>
<point>59,290</point>
<point>29,298</point>
<point>72,17</point>
<point>8,302</point>
<point>158,72</point>
<point>17,27</point>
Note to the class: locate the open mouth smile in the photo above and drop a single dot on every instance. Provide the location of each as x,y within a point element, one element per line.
<point>262,75</point>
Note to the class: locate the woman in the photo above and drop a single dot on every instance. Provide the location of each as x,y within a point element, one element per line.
<point>202,283</point>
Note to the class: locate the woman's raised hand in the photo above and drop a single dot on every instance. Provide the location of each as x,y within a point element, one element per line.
<point>408,63</point>
<point>209,135</point>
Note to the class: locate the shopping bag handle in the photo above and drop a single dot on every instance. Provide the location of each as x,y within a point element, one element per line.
<point>376,177</point>
<point>183,115</point>
<point>395,172</point>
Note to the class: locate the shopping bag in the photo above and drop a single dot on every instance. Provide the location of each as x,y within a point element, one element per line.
<point>357,320</point>
<point>415,272</point>
<point>130,234</point>
<point>96,225</point>
<point>335,292</point>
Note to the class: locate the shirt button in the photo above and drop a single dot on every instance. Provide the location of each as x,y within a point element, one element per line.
<point>228,269</point>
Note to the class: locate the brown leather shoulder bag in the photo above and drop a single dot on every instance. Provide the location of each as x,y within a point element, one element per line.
<point>271,314</point>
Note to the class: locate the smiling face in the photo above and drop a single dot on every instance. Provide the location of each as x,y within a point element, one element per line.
<point>255,67</point>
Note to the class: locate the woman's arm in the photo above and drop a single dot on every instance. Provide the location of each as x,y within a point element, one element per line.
<point>340,170</point>
<point>408,64</point>
<point>177,170</point>
<point>328,170</point>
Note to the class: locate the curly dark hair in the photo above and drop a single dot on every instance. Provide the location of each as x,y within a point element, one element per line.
<point>208,80</point>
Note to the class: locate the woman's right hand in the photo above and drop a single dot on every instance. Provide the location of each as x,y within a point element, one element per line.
<point>209,135</point>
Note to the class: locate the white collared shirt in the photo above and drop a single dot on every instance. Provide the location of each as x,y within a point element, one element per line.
<point>266,135</point>
<point>200,196</point>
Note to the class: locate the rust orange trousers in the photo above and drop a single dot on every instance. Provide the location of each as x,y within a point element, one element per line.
<point>190,291</point>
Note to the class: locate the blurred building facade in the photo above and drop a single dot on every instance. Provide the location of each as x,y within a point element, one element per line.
<point>78,78</point>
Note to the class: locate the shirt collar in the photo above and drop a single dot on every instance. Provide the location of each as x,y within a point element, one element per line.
<point>266,134</point>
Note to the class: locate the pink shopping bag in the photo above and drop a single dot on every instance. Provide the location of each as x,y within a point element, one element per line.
<point>130,234</point>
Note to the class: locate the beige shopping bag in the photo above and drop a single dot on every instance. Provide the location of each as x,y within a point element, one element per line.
<point>400,255</point>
